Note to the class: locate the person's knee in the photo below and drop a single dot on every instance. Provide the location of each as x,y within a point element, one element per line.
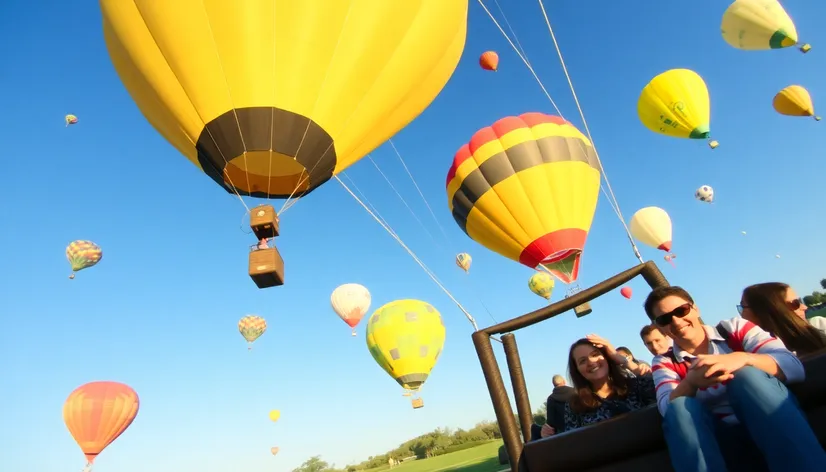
<point>747,378</point>
<point>682,408</point>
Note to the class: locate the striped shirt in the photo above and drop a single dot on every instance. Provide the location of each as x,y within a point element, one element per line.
<point>746,337</point>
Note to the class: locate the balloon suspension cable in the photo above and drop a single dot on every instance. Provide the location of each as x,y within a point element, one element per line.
<point>435,219</point>
<point>88,468</point>
<point>409,251</point>
<point>612,200</point>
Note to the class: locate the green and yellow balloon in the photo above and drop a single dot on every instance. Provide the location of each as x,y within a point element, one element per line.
<point>82,255</point>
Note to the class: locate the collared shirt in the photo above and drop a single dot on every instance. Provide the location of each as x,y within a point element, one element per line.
<point>743,333</point>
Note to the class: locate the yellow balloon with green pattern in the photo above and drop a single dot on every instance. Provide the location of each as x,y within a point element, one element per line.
<point>406,337</point>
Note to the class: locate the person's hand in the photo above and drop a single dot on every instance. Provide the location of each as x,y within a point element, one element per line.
<point>602,343</point>
<point>547,430</point>
<point>722,364</point>
<point>644,369</point>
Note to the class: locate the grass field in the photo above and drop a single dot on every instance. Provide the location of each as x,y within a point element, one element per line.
<point>482,458</point>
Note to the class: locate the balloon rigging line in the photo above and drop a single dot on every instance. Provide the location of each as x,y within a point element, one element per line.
<point>415,216</point>
<point>393,232</point>
<point>412,254</point>
<point>612,201</point>
<point>449,241</point>
<point>587,130</point>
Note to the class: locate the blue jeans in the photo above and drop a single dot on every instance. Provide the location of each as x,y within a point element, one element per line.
<point>773,434</point>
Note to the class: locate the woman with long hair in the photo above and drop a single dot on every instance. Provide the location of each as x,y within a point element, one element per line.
<point>775,307</point>
<point>603,388</point>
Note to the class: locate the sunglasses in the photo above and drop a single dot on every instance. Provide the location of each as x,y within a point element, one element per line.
<point>679,312</point>
<point>793,305</point>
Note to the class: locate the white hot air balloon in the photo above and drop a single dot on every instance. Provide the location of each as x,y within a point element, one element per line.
<point>705,194</point>
<point>652,226</point>
<point>351,302</point>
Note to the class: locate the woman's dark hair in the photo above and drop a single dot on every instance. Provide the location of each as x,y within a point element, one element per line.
<point>767,301</point>
<point>585,398</point>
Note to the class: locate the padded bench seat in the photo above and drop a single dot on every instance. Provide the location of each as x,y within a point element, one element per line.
<point>635,442</point>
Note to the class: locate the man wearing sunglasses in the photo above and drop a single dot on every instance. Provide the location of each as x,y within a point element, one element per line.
<point>721,394</point>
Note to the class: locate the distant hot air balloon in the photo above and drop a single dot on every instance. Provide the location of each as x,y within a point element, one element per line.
<point>70,120</point>
<point>351,302</point>
<point>489,60</point>
<point>777,256</point>
<point>759,24</point>
<point>705,194</point>
<point>406,337</point>
<point>626,292</point>
<point>670,259</point>
<point>743,233</point>
<point>527,187</point>
<point>463,260</point>
<point>97,413</point>
<point>274,415</point>
<point>542,284</point>
<point>274,450</point>
<point>676,103</point>
<point>82,255</point>
<point>652,226</point>
<point>251,328</point>
<point>794,100</point>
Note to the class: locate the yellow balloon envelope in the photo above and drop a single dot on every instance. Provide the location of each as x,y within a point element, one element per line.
<point>676,103</point>
<point>794,100</point>
<point>274,415</point>
<point>272,98</point>
<point>527,188</point>
<point>542,284</point>
<point>759,24</point>
<point>652,226</point>
<point>406,337</point>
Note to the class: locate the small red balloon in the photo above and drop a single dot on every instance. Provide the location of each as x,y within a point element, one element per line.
<point>626,292</point>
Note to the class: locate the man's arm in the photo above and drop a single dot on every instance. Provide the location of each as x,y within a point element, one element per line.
<point>765,352</point>
<point>666,382</point>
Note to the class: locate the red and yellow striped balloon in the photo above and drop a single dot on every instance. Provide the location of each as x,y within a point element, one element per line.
<point>527,188</point>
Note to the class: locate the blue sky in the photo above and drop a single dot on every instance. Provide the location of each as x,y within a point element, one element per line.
<point>160,311</point>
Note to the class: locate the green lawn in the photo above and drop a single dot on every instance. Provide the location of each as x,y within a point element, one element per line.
<point>482,458</point>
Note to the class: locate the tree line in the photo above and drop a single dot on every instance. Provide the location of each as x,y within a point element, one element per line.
<point>817,298</point>
<point>435,443</point>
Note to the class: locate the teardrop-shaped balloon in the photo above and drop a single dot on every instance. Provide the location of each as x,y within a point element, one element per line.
<point>351,302</point>
<point>274,415</point>
<point>82,255</point>
<point>274,450</point>
<point>626,292</point>
<point>405,338</point>
<point>70,120</point>
<point>759,24</point>
<point>794,100</point>
<point>542,284</point>
<point>463,260</point>
<point>652,226</point>
<point>526,188</point>
<point>251,328</point>
<point>97,413</point>
<point>676,103</point>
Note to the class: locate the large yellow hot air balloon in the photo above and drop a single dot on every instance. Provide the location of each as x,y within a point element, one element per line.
<point>527,187</point>
<point>272,98</point>
<point>794,100</point>
<point>406,337</point>
<point>652,226</point>
<point>759,24</point>
<point>676,103</point>
<point>542,284</point>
